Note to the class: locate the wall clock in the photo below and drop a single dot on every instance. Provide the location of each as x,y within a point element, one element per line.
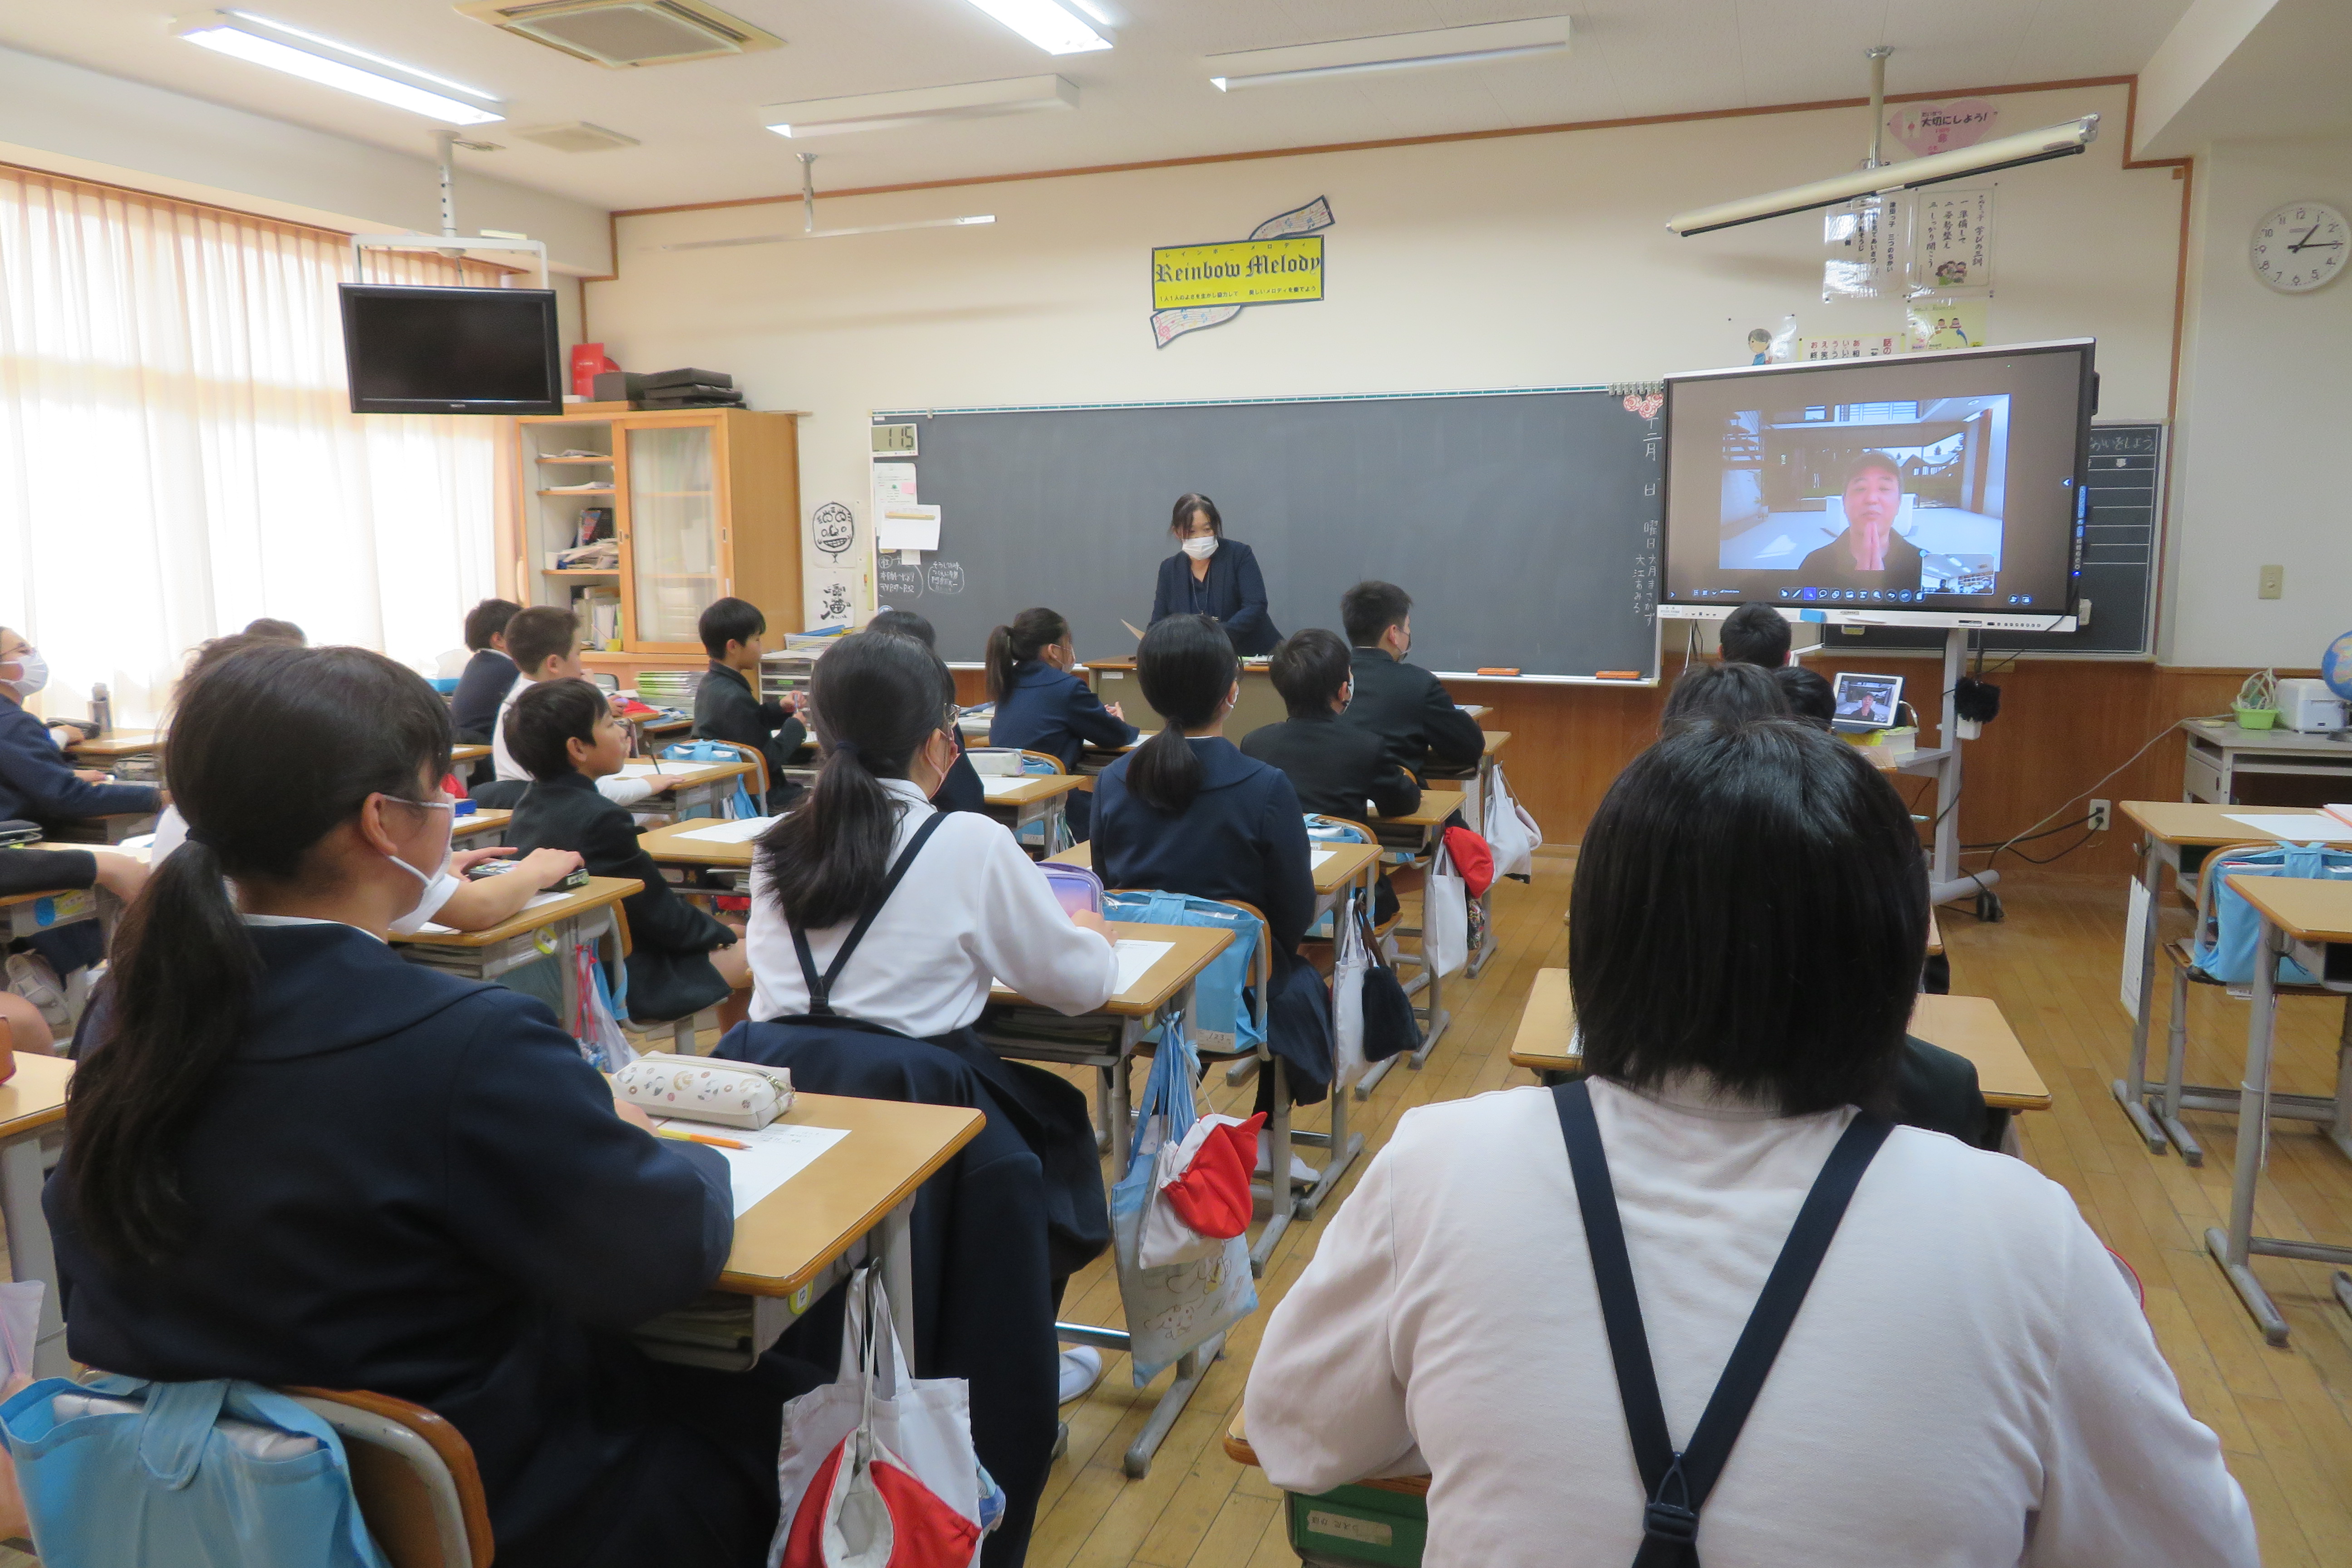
<point>2299,246</point>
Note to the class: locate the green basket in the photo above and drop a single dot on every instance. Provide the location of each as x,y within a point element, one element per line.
<point>2257,717</point>
<point>1350,1525</point>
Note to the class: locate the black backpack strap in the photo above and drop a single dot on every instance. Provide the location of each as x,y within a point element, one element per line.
<point>820,986</point>
<point>1678,1484</point>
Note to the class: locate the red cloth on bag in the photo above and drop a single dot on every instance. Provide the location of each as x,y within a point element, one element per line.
<point>924,1531</point>
<point>1473,858</point>
<point>1212,1195</point>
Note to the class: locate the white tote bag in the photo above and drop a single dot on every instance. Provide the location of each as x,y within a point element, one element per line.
<point>1510,831</point>
<point>878,1466</point>
<point>1348,1006</point>
<point>1444,917</point>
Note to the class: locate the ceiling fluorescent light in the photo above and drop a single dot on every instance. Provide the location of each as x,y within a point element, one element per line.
<point>1395,51</point>
<point>1984,158</point>
<point>1050,26</point>
<point>889,110</point>
<point>260,41</point>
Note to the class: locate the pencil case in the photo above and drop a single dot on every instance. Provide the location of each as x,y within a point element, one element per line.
<point>701,1089</point>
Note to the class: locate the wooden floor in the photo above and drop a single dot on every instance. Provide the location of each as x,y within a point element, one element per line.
<point>2054,965</point>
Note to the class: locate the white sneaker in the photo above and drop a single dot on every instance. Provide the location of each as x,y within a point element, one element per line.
<point>30,976</point>
<point>1301,1172</point>
<point>1081,1370</point>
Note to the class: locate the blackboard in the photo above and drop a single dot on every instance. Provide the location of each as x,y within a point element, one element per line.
<point>1524,524</point>
<point>2119,555</point>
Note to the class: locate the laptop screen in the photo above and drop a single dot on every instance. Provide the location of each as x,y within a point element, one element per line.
<point>1868,699</point>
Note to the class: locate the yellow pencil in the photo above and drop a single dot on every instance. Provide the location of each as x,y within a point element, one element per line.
<point>698,1138</point>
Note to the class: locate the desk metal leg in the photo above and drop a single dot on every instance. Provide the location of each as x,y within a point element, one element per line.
<point>2340,1130</point>
<point>1276,1193</point>
<point>1340,1146</point>
<point>30,1256</point>
<point>2131,1091</point>
<point>1191,1367</point>
<point>2233,1247</point>
<point>893,1238</point>
<point>2168,1100</point>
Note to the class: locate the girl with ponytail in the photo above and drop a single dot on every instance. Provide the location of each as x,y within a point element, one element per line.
<point>1042,707</point>
<point>295,1157</point>
<point>1188,813</point>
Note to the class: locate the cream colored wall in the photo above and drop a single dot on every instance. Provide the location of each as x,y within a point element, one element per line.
<point>1533,260</point>
<point>2265,409</point>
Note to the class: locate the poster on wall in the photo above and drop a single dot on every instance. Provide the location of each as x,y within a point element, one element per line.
<point>1197,286</point>
<point>832,596</point>
<point>1930,128</point>
<point>1946,324</point>
<point>1864,238</point>
<point>1952,251</point>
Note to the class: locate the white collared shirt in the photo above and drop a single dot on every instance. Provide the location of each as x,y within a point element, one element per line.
<point>618,788</point>
<point>972,909</point>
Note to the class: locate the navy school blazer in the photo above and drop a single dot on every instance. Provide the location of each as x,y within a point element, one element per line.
<point>38,783</point>
<point>411,1183</point>
<point>1054,711</point>
<point>488,675</point>
<point>1234,592</point>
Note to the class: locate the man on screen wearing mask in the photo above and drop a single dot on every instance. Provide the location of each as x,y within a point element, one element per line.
<point>1404,705</point>
<point>39,785</point>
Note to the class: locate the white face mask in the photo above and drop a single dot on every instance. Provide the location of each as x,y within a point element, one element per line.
<point>1201,548</point>
<point>32,671</point>
<point>433,895</point>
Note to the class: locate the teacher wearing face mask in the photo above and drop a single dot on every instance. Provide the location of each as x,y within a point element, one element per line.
<point>1215,576</point>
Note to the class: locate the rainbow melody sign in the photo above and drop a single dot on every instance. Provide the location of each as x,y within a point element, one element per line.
<point>1197,286</point>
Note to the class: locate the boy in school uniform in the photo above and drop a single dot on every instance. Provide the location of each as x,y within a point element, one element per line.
<point>488,675</point>
<point>727,706</point>
<point>541,640</point>
<point>1754,634</point>
<point>1337,770</point>
<point>680,959</point>
<point>1402,704</point>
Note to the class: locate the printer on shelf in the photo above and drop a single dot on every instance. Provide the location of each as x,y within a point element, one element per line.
<point>2307,705</point>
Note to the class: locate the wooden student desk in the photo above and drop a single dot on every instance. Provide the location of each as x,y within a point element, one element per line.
<point>691,789</point>
<point>1418,831</point>
<point>583,915</point>
<point>1970,1026</point>
<point>2181,834</point>
<point>118,744</point>
<point>1107,1040</point>
<point>804,1238</point>
<point>32,1103</point>
<point>464,753</point>
<point>29,914</point>
<point>709,866</point>
<point>2310,922</point>
<point>483,827</point>
<point>1017,800</point>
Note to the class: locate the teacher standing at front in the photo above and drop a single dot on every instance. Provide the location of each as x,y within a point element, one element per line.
<point>1214,576</point>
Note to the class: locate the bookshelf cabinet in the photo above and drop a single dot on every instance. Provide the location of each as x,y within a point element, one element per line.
<point>697,505</point>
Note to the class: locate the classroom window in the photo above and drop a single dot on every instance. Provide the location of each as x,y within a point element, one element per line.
<point>177,452</point>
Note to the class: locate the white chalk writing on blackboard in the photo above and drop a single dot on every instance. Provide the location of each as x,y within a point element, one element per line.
<point>945,577</point>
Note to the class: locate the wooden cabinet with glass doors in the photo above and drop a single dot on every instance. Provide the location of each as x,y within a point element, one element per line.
<point>682,507</point>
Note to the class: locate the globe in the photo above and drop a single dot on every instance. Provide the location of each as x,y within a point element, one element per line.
<point>2336,667</point>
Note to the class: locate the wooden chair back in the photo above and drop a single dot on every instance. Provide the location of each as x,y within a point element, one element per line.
<point>413,1475</point>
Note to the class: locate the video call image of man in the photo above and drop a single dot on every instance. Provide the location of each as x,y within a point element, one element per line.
<point>1869,554</point>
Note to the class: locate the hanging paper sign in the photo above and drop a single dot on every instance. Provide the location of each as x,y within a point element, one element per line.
<point>1953,250</point>
<point>1197,286</point>
<point>833,527</point>
<point>1946,324</point>
<point>1926,127</point>
<point>1864,240</point>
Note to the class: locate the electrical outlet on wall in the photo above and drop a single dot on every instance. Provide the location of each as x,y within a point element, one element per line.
<point>2274,583</point>
<point>2099,817</point>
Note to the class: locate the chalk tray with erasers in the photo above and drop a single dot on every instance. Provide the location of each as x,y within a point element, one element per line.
<point>705,1088</point>
<point>570,880</point>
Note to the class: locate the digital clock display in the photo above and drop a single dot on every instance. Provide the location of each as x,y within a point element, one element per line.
<point>894,440</point>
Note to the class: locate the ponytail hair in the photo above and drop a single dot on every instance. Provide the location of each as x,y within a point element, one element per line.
<point>1186,666</point>
<point>1031,631</point>
<point>338,725</point>
<point>875,698</point>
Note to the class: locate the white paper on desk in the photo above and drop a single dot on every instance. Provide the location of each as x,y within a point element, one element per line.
<point>2134,945</point>
<point>741,830</point>
<point>1315,861</point>
<point>778,1153</point>
<point>1136,959</point>
<point>994,785</point>
<point>643,769</point>
<point>538,901</point>
<point>900,526</point>
<point>2301,827</point>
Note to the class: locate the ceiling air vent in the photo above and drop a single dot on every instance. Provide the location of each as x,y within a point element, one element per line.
<point>578,136</point>
<point>618,33</point>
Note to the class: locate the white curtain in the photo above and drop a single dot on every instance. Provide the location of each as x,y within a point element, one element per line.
<point>178,456</point>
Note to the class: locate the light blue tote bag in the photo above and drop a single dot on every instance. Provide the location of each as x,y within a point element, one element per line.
<point>182,1475</point>
<point>2225,943</point>
<point>1222,1018</point>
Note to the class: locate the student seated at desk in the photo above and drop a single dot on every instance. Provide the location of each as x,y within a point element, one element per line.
<point>1401,703</point>
<point>34,1016</point>
<point>1042,707</point>
<point>488,675</point>
<point>1969,1380</point>
<point>541,641</point>
<point>1336,770</point>
<point>275,630</point>
<point>1808,693</point>
<point>961,789</point>
<point>681,960</point>
<point>727,705</point>
<point>452,899</point>
<point>1188,813</point>
<point>1729,692</point>
<point>39,785</point>
<point>294,1156</point>
<point>1757,635</point>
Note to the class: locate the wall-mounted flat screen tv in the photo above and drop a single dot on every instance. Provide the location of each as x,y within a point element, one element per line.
<point>415,350</point>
